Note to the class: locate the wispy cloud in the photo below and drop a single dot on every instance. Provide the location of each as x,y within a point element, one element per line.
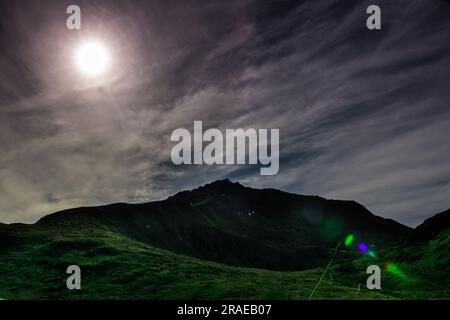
<point>362,115</point>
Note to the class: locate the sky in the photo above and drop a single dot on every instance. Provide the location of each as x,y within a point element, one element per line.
<point>363,114</point>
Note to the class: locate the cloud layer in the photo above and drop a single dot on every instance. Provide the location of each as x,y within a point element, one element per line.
<point>363,115</point>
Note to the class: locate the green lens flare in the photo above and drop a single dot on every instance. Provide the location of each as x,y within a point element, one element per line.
<point>372,254</point>
<point>349,240</point>
<point>394,269</point>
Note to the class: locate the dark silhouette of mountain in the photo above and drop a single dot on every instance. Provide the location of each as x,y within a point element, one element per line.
<point>430,228</point>
<point>152,250</point>
<point>228,223</point>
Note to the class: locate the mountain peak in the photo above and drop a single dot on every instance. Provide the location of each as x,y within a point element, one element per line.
<point>215,187</point>
<point>226,183</point>
<point>224,221</point>
<point>431,227</point>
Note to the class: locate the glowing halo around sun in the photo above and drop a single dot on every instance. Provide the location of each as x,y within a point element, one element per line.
<point>92,59</point>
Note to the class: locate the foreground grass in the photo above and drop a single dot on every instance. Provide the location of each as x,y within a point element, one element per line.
<point>33,263</point>
<point>115,267</point>
<point>409,271</point>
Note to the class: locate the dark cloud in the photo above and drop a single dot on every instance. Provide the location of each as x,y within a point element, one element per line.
<point>362,115</point>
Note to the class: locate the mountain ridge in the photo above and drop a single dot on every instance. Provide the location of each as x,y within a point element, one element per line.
<point>430,228</point>
<point>185,192</point>
<point>229,223</point>
<point>221,241</point>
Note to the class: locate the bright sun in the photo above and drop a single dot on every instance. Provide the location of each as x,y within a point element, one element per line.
<point>92,59</point>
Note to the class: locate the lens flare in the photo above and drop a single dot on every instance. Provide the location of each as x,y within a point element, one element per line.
<point>362,247</point>
<point>393,268</point>
<point>349,240</point>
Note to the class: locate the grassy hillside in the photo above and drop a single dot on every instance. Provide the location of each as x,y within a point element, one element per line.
<point>419,271</point>
<point>184,248</point>
<point>114,267</point>
<point>34,261</point>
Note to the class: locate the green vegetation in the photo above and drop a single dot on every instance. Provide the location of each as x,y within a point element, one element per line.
<point>116,267</point>
<point>225,241</point>
<point>418,271</point>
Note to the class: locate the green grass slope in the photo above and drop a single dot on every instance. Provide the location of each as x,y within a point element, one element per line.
<point>34,262</point>
<point>417,271</point>
<point>185,248</point>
